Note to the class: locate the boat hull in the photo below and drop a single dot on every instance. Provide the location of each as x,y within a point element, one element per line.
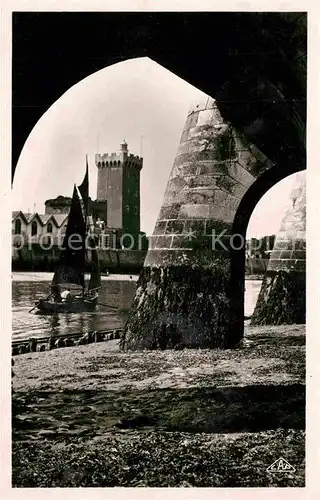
<point>77,306</point>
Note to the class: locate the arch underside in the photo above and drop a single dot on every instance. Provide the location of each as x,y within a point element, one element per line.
<point>226,55</point>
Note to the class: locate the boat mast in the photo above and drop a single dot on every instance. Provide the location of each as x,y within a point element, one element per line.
<point>84,191</point>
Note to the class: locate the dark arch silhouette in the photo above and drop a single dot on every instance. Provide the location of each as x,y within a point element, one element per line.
<point>54,51</point>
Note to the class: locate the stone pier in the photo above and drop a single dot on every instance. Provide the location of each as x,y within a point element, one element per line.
<point>282,298</point>
<point>187,294</point>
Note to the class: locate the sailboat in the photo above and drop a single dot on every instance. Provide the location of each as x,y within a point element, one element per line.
<point>70,269</point>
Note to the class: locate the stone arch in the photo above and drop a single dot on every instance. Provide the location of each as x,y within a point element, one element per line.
<point>240,223</point>
<point>191,288</point>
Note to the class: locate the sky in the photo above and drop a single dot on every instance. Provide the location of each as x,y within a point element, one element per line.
<point>139,101</point>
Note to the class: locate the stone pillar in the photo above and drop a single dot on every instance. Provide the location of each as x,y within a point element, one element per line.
<point>185,295</point>
<point>282,298</point>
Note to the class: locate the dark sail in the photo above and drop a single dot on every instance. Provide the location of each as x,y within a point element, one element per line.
<point>95,279</point>
<point>84,190</point>
<point>71,265</point>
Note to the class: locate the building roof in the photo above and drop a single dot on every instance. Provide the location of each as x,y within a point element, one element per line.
<point>45,218</point>
<point>25,216</point>
<point>60,218</point>
<point>28,217</point>
<point>31,216</point>
<point>15,214</point>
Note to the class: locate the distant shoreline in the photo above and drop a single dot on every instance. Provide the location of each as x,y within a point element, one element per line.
<point>47,276</point>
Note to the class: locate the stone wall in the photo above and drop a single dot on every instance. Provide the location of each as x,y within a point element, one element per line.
<point>34,258</point>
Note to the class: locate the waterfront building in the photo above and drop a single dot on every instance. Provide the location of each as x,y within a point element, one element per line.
<point>114,216</point>
<point>34,228</point>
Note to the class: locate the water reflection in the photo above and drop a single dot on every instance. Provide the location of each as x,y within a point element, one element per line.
<point>117,294</point>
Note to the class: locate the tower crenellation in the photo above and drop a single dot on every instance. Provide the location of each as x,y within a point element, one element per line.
<point>106,160</point>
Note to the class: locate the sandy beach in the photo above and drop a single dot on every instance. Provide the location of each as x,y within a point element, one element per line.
<point>101,414</point>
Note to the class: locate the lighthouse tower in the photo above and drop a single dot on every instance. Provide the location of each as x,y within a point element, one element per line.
<point>119,187</point>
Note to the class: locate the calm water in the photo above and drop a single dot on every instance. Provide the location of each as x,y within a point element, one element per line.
<point>252,289</point>
<point>27,288</point>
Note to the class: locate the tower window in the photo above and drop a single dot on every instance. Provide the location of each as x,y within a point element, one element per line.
<point>34,228</point>
<point>17,227</point>
<point>49,228</point>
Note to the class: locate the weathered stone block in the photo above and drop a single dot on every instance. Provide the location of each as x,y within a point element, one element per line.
<point>163,241</point>
<point>160,227</point>
<point>276,255</point>
<point>205,117</point>
<point>229,201</point>
<point>287,254</point>
<point>194,211</point>
<point>182,241</point>
<point>175,226</point>
<point>238,190</point>
<point>221,213</point>
<point>239,173</point>
<point>198,196</point>
<point>192,120</point>
<point>212,167</point>
<point>203,180</point>
<point>169,211</point>
<point>195,226</point>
